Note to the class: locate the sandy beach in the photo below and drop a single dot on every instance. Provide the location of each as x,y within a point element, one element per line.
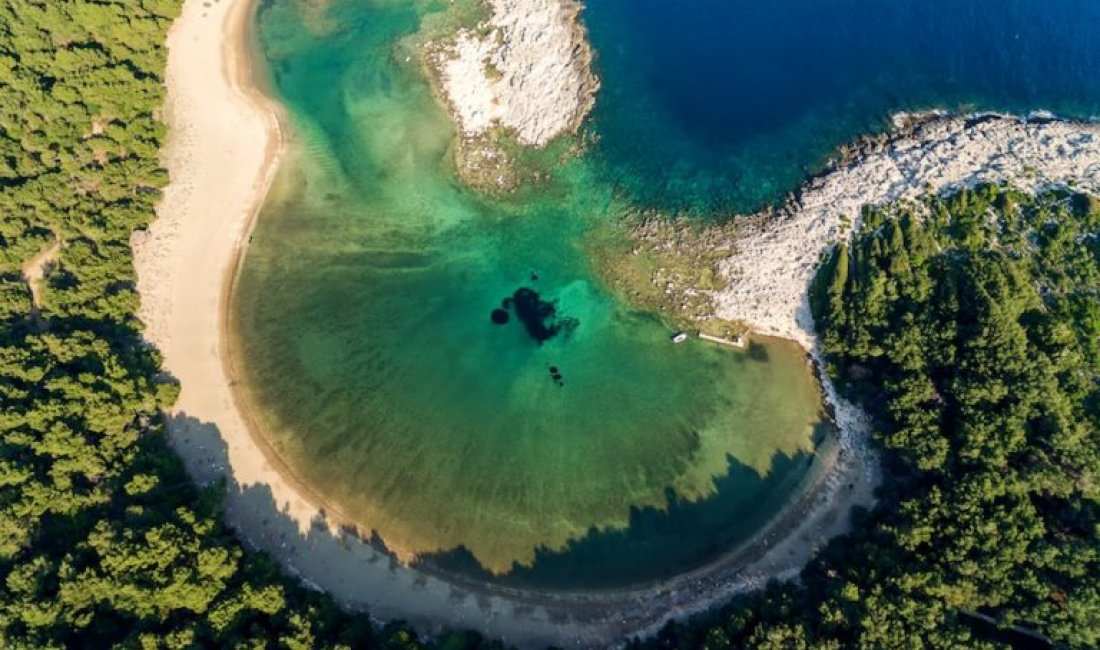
<point>225,144</point>
<point>226,141</point>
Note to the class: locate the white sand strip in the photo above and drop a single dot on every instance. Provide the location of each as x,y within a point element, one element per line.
<point>224,146</point>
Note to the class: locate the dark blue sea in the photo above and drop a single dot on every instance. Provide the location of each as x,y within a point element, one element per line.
<point>727,104</point>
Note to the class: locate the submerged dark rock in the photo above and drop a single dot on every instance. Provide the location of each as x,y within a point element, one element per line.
<point>556,376</point>
<point>539,317</point>
<point>535,314</point>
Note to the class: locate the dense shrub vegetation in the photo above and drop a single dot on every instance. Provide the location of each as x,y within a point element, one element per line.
<point>970,327</point>
<point>103,541</point>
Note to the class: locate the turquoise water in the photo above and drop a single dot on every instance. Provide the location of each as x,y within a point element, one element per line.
<point>449,371</point>
<point>365,326</point>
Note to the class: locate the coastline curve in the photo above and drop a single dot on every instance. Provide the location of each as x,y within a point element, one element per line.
<point>187,264</point>
<point>189,261</point>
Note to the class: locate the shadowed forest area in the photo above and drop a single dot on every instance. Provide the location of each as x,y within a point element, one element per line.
<point>104,541</point>
<point>969,327</point>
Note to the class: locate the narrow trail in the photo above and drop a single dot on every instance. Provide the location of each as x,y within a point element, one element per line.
<point>34,273</point>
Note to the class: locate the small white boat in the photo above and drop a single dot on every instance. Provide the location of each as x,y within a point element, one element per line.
<point>679,337</point>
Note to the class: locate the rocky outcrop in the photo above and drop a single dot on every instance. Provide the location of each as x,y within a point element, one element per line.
<point>522,76</point>
<point>770,273</point>
<point>526,69</point>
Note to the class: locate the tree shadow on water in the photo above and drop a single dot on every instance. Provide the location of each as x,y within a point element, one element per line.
<point>357,570</point>
<point>658,543</point>
<point>359,573</point>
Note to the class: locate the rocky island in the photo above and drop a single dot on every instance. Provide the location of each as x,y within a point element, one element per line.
<point>524,74</point>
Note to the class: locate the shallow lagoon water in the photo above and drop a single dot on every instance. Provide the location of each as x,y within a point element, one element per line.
<point>601,456</point>
<point>364,320</point>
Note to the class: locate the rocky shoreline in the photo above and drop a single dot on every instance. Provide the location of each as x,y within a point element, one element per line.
<point>750,271</point>
<point>226,143</point>
<point>769,273</point>
<point>520,78</point>
<point>766,261</point>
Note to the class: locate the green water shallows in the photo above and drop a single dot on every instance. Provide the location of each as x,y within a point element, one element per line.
<point>362,324</point>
